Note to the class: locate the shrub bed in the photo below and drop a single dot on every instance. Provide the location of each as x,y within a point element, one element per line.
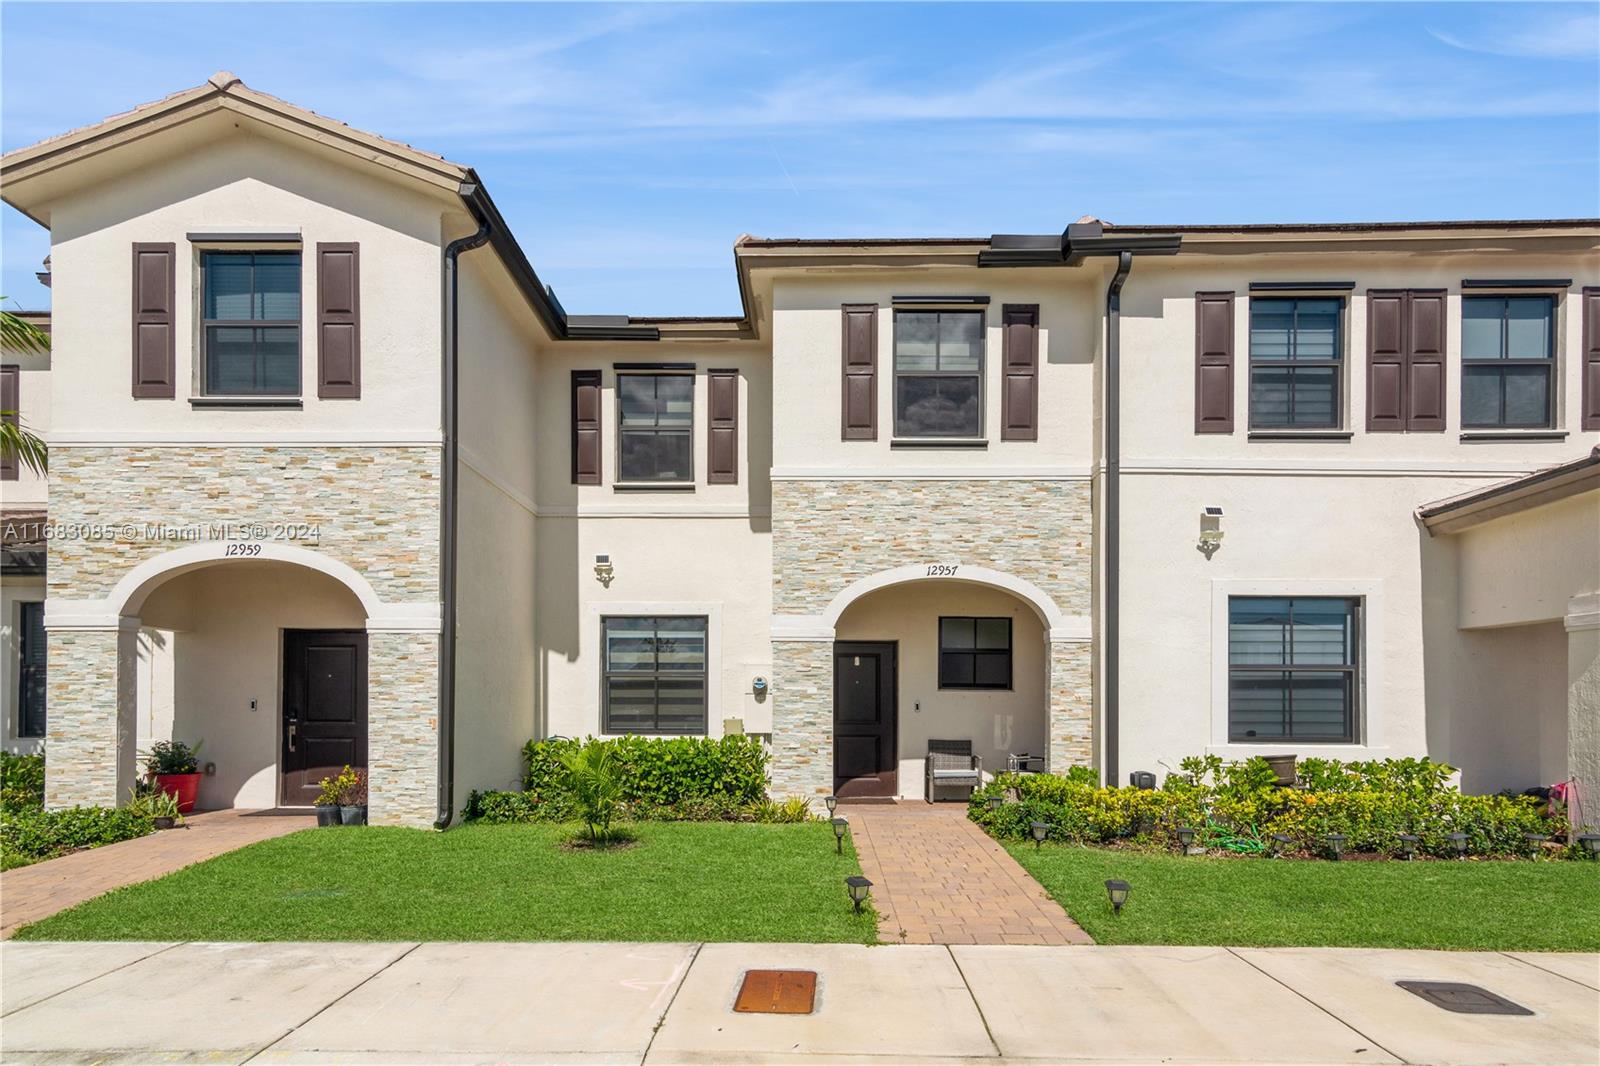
<point>21,782</point>
<point>1240,808</point>
<point>29,833</point>
<point>663,779</point>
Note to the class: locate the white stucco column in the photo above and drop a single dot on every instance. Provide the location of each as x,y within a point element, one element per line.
<point>1583,706</point>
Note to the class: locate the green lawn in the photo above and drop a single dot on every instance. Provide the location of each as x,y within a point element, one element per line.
<point>681,881</point>
<point>1499,906</point>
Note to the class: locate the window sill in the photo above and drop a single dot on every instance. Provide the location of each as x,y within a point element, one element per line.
<point>1471,435</point>
<point>1300,434</point>
<point>652,486</point>
<point>283,402</point>
<point>978,443</point>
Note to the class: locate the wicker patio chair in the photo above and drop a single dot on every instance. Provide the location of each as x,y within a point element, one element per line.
<point>951,764</point>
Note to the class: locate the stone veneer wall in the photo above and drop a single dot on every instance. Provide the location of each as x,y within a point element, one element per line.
<point>377,511</point>
<point>827,534</point>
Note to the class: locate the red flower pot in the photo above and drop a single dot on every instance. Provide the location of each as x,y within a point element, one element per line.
<point>184,786</point>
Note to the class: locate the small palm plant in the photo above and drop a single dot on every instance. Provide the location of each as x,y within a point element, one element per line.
<point>596,786</point>
<point>17,334</point>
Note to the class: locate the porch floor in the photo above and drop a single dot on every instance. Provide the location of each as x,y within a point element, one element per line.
<point>939,879</point>
<point>30,893</point>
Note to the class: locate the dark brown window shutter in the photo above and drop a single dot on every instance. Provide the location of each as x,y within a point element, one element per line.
<point>722,432</point>
<point>10,379</point>
<point>1425,329</point>
<point>338,321</point>
<point>154,332</point>
<point>1405,361</point>
<point>1213,362</point>
<point>586,427</point>
<point>1386,361</point>
<point>1591,359</point>
<point>860,384</point>
<point>1019,398</point>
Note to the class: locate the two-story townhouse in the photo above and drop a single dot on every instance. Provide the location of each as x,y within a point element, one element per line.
<point>1107,498</point>
<point>24,499</point>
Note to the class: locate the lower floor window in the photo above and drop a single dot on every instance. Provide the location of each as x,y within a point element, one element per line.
<point>654,675</point>
<point>1292,668</point>
<point>974,653</point>
<point>30,675</point>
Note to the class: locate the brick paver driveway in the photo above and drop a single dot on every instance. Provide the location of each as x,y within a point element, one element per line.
<point>939,879</point>
<point>38,891</point>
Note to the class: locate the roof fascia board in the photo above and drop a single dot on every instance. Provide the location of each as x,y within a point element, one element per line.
<point>1523,494</point>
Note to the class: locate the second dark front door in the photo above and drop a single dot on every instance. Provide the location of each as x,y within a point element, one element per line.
<point>864,750</point>
<point>324,709</point>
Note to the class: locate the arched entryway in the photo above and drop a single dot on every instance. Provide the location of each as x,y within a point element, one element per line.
<point>277,659</point>
<point>927,652</point>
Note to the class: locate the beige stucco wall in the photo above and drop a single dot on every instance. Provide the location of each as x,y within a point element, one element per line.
<point>224,657</point>
<point>1526,567</point>
<point>1508,712</point>
<point>998,722</point>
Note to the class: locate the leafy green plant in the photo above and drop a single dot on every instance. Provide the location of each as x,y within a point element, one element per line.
<point>662,779</point>
<point>21,782</point>
<point>29,836</point>
<point>347,788</point>
<point>153,802</point>
<point>172,757</point>
<point>789,809</point>
<point>595,785</point>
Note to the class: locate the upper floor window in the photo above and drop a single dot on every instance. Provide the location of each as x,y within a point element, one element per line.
<point>1295,346</point>
<point>938,373</point>
<point>1507,361</point>
<point>1292,663</point>
<point>655,414</point>
<point>251,327</point>
<point>974,653</point>
<point>654,674</point>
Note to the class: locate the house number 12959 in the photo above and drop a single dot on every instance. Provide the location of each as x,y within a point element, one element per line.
<point>241,548</point>
<point>942,569</point>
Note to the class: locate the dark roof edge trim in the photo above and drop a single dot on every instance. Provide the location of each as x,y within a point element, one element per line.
<point>1302,286</point>
<point>1431,512</point>
<point>1516,283</point>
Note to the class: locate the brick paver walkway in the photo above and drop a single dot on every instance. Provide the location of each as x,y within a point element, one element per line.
<point>38,891</point>
<point>939,879</point>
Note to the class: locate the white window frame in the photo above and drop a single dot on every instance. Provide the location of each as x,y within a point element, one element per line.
<point>1372,727</point>
<point>591,652</point>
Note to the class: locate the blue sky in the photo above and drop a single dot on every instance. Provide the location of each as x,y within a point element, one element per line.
<point>630,145</point>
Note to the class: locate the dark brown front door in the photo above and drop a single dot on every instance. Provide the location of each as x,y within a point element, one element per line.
<point>864,751</point>
<point>324,708</point>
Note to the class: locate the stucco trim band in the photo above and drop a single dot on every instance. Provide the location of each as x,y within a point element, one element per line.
<point>1583,612</point>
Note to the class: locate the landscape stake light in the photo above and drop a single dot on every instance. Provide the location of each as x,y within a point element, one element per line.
<point>1336,844</point>
<point>858,887</point>
<point>1535,840</point>
<point>1185,836</point>
<point>996,801</point>
<point>1460,842</point>
<point>1118,891</point>
<point>1590,841</point>
<point>841,824</point>
<point>1040,831</point>
<point>1408,844</point>
<point>1281,842</point>
<point>831,802</point>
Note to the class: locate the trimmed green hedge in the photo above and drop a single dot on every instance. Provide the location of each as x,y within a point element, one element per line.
<point>21,782</point>
<point>1239,808</point>
<point>663,779</point>
<point>30,836</point>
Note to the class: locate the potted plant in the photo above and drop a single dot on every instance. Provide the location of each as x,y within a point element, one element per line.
<point>173,767</point>
<point>353,796</point>
<point>161,807</point>
<point>327,804</point>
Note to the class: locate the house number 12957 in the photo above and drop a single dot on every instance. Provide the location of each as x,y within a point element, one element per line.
<point>942,569</point>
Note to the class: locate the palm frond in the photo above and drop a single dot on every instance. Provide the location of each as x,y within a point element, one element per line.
<point>16,440</point>
<point>17,334</point>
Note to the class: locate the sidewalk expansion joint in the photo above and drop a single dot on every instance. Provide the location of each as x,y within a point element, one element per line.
<point>1314,1003</point>
<point>975,1004</point>
<point>96,977</point>
<point>314,1015</point>
<point>683,979</point>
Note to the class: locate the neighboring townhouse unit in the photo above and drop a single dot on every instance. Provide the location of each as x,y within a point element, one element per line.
<point>336,479</point>
<point>24,399</point>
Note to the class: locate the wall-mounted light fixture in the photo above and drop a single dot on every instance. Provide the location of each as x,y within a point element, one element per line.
<point>758,689</point>
<point>603,571</point>
<point>1210,531</point>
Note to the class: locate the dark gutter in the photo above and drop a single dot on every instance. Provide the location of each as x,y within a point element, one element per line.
<point>1302,286</point>
<point>450,501</point>
<point>1516,283</point>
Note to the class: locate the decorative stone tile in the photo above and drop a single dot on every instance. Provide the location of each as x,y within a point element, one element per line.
<point>402,728</point>
<point>802,730</point>
<point>1071,706</point>
<point>91,729</point>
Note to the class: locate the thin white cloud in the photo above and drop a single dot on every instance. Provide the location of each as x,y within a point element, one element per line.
<point>1563,36</point>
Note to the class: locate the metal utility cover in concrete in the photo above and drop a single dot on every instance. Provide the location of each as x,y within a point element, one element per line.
<point>1462,999</point>
<point>777,992</point>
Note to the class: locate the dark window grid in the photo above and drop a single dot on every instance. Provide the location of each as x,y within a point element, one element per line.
<point>1292,362</point>
<point>900,430</point>
<point>973,654</point>
<point>31,671</point>
<point>1496,367</point>
<point>655,676</point>
<point>653,432</point>
<point>1289,668</point>
<point>254,325</point>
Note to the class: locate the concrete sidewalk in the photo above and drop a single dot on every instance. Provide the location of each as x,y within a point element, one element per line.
<point>672,1003</point>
